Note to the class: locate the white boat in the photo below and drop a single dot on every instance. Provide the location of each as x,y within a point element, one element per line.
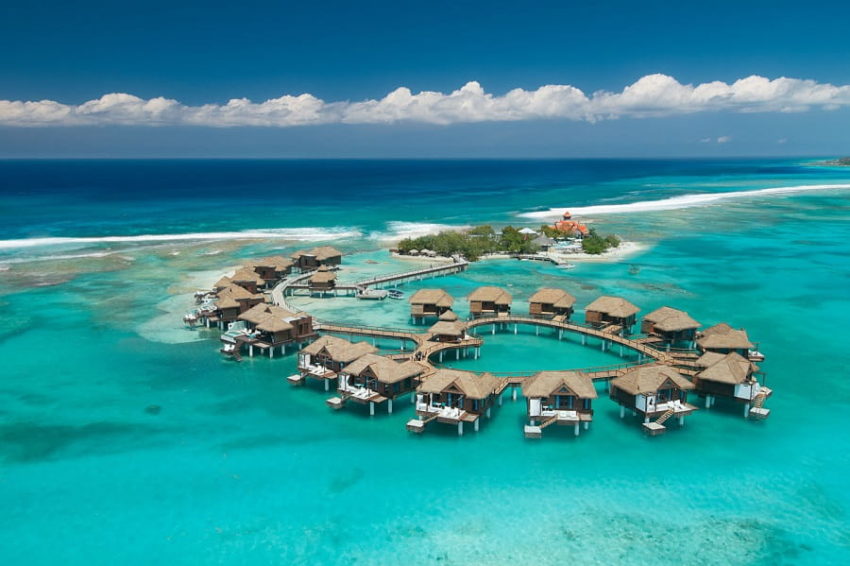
<point>395,293</point>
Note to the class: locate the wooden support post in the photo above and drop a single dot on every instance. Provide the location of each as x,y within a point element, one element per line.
<point>327,384</point>
<point>584,339</point>
<point>251,350</point>
<point>622,411</point>
<point>513,393</point>
<point>271,352</point>
<point>682,420</point>
<point>460,428</point>
<point>536,330</point>
<point>707,401</point>
<point>500,399</point>
<point>475,425</point>
<point>389,406</point>
<point>441,356</point>
<point>746,410</point>
<point>586,425</point>
<point>488,412</point>
<point>576,429</point>
<point>371,408</point>
<point>494,328</point>
<point>515,328</point>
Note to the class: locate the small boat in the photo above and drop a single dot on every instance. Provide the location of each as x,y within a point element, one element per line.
<point>395,293</point>
<point>371,294</point>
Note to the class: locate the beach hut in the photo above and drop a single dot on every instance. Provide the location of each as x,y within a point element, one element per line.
<point>323,359</point>
<point>489,301</point>
<point>376,379</point>
<point>558,397</point>
<point>309,260</point>
<point>323,280</point>
<point>269,327</point>
<point>426,303</point>
<point>551,303</point>
<point>543,243</point>
<point>225,281</point>
<point>611,312</point>
<point>723,339</point>
<point>670,326</point>
<point>656,391</point>
<point>453,397</point>
<point>271,269</point>
<point>731,376</point>
<point>228,304</point>
<point>248,279</point>
<point>447,329</point>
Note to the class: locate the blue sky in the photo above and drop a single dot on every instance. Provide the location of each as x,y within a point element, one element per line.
<point>206,53</point>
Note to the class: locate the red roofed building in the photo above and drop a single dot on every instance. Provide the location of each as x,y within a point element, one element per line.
<point>569,226</point>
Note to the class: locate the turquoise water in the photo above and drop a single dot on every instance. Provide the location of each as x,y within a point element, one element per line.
<point>127,439</point>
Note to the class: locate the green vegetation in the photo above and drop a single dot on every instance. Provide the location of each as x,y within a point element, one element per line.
<point>472,243</point>
<point>551,231</point>
<point>595,244</point>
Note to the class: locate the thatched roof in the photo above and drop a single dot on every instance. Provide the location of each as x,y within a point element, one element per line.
<point>323,276</point>
<point>546,383</point>
<point>709,358</point>
<point>447,328</point>
<point>731,368</point>
<point>649,379</point>
<point>276,262</point>
<point>321,253</point>
<point>261,313</point>
<point>556,297</point>
<point>472,385</point>
<point>723,336</point>
<point>239,293</point>
<point>616,307</point>
<point>668,319</point>
<point>225,300</point>
<point>272,323</point>
<point>436,297</point>
<point>222,283</point>
<point>449,316</point>
<point>491,294</point>
<point>247,275</point>
<point>340,349</point>
<point>384,369</point>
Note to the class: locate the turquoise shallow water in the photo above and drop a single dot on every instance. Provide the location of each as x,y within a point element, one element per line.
<point>126,439</point>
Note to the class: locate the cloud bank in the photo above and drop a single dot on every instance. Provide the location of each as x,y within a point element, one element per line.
<point>652,96</point>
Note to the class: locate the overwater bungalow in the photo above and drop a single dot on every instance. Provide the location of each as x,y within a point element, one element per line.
<point>376,379</point>
<point>655,391</point>
<point>552,304</point>
<point>670,326</point>
<point>323,280</point>
<point>267,328</point>
<point>227,305</point>
<point>427,303</point>
<point>225,281</point>
<point>612,313</point>
<point>271,269</point>
<point>447,329</point>
<point>489,301</point>
<point>308,260</point>
<point>732,377</point>
<point>324,359</point>
<point>248,279</point>
<point>723,339</point>
<point>558,397</point>
<point>454,397</point>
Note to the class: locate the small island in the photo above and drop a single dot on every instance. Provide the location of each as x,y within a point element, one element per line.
<point>839,162</point>
<point>566,236</point>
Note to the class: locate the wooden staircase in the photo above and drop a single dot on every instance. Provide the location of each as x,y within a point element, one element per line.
<point>761,397</point>
<point>664,417</point>
<point>548,422</point>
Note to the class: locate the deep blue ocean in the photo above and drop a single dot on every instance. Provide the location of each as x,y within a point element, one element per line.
<point>125,438</point>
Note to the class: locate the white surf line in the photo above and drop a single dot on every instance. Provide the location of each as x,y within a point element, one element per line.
<point>674,203</point>
<point>301,234</point>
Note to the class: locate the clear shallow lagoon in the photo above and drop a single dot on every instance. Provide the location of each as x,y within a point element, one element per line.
<point>126,439</point>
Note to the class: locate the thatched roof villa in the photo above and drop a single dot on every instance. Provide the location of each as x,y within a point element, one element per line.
<point>375,379</point>
<point>607,311</point>
<point>671,326</point>
<point>453,397</point>
<point>426,303</point>
<point>656,391</point>
<point>558,397</point>
<point>308,260</point>
<point>551,303</point>
<point>489,301</point>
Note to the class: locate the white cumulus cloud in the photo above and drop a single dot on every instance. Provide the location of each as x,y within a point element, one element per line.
<point>651,96</point>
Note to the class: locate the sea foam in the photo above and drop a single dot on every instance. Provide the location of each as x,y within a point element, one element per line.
<point>298,234</point>
<point>398,230</point>
<point>673,203</point>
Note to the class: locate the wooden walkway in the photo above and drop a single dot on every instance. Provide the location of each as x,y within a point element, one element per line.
<point>416,274</point>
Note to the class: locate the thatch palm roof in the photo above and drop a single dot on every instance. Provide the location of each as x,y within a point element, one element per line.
<point>546,383</point>
<point>384,369</point>
<point>471,385</point>
<point>731,369</point>
<point>247,275</point>
<point>449,316</point>
<point>723,336</point>
<point>276,262</point>
<point>491,294</point>
<point>555,297</point>
<point>436,297</point>
<point>261,314</point>
<point>323,276</point>
<point>321,253</point>
<point>447,328</point>
<point>239,293</point>
<point>649,379</point>
<point>668,319</point>
<point>339,349</point>
<point>222,283</point>
<point>616,307</point>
